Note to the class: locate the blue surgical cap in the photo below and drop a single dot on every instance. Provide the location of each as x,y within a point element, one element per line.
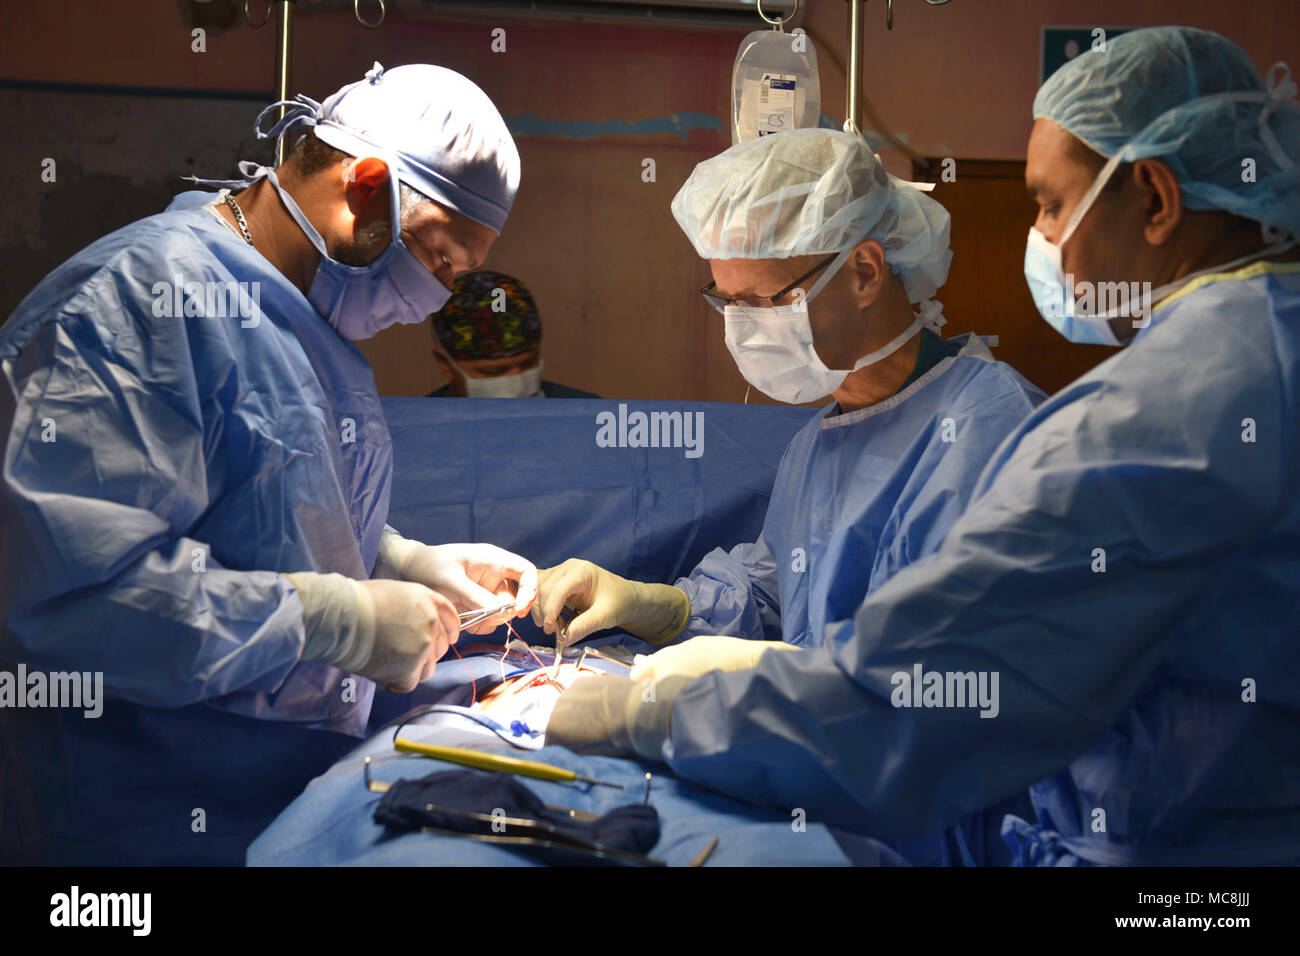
<point>441,132</point>
<point>1194,100</point>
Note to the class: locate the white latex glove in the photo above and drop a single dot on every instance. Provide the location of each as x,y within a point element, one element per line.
<point>655,612</point>
<point>471,576</point>
<point>699,655</point>
<point>393,632</point>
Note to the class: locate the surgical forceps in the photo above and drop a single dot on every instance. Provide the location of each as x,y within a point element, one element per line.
<point>478,616</point>
<point>562,637</point>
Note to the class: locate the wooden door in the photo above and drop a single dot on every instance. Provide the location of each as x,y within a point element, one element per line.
<point>986,290</point>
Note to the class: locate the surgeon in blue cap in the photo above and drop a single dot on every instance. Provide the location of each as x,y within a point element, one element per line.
<point>1112,621</point>
<point>197,473</point>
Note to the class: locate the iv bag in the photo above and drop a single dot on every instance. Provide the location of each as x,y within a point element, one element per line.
<point>774,85</point>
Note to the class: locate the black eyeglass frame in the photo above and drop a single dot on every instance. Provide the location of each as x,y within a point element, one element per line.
<point>720,302</point>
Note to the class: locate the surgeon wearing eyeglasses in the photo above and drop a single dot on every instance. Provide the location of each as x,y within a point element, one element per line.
<point>1129,565</point>
<point>824,271</point>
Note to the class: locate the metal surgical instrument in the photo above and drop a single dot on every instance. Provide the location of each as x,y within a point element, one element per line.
<point>479,615</point>
<point>561,638</point>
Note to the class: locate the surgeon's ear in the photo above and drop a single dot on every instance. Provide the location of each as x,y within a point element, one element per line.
<point>365,183</point>
<point>1161,197</point>
<point>868,272</point>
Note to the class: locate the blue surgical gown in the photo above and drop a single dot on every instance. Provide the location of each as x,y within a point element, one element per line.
<point>1129,569</point>
<point>858,496</point>
<point>159,470</point>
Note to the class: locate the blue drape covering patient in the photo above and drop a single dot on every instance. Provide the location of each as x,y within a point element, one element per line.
<point>331,822</point>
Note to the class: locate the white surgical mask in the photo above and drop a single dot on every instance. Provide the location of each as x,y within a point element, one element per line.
<point>527,384</point>
<point>773,346</point>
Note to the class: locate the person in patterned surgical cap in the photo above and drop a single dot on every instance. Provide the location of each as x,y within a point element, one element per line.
<point>488,341</point>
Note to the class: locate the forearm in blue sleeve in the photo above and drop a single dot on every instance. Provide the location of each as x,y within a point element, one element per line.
<point>1014,593</point>
<point>101,469</point>
<point>734,593</point>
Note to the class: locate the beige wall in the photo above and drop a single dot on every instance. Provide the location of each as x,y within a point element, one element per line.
<point>615,280</point>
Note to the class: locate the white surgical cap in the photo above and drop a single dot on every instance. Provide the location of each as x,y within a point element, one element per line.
<point>443,134</point>
<point>1193,99</point>
<point>810,191</point>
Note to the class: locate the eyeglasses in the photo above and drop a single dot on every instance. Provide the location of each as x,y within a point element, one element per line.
<point>720,302</point>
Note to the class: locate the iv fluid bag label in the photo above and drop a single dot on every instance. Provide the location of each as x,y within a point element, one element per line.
<point>775,103</point>
<point>768,105</point>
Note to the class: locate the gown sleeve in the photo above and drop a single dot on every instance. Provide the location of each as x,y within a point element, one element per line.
<point>734,593</point>
<point>113,457</point>
<point>1104,518</point>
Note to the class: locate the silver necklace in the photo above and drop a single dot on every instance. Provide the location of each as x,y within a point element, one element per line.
<point>239,217</point>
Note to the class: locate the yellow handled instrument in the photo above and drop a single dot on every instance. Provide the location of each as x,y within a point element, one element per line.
<point>501,763</point>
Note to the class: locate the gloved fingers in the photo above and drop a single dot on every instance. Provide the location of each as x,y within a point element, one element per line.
<point>595,618</point>
<point>442,630</point>
<point>699,655</point>
<point>507,576</point>
<point>405,684</point>
<point>504,595</point>
<point>487,625</point>
<point>483,599</point>
<point>570,583</point>
<point>469,595</point>
<point>429,667</point>
<point>413,626</point>
<point>679,659</point>
<point>501,566</point>
<point>446,616</point>
<point>504,591</point>
<point>490,565</point>
<point>526,596</point>
<point>543,576</point>
<point>424,667</point>
<point>643,667</point>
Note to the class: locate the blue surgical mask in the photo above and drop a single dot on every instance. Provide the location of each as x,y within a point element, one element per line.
<point>1053,292</point>
<point>362,301</point>
<point>1054,295</point>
